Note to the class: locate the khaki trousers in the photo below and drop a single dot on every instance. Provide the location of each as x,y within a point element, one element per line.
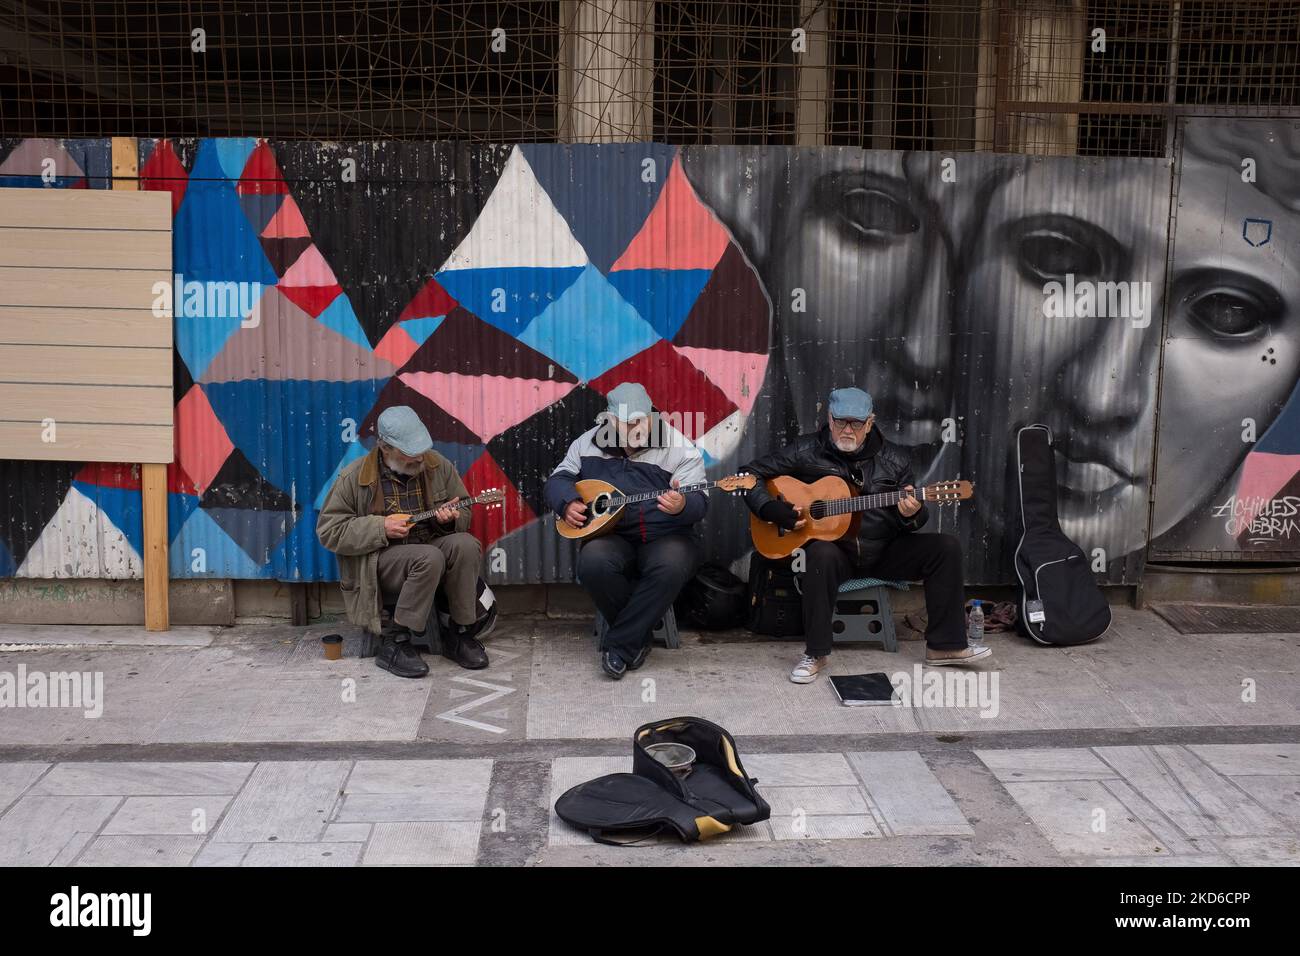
<point>409,575</point>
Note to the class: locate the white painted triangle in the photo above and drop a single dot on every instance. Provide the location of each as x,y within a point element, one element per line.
<point>519,227</point>
<point>455,693</point>
<point>502,714</point>
<point>80,542</point>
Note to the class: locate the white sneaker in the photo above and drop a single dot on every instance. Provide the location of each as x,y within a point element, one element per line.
<point>806,671</point>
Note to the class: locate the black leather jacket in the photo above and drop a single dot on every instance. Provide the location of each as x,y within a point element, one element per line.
<point>878,466</point>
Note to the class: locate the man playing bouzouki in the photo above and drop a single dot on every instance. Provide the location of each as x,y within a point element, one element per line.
<point>634,573</point>
<point>385,559</point>
<point>885,545</point>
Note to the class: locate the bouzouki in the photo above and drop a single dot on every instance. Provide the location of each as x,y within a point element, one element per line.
<point>493,496</point>
<point>605,503</point>
<point>831,510</point>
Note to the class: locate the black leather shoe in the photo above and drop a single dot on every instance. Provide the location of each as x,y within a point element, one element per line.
<point>400,658</point>
<point>641,655</point>
<point>466,651</point>
<point>612,665</point>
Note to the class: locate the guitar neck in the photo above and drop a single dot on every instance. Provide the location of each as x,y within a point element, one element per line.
<point>843,506</point>
<point>463,503</point>
<point>619,500</point>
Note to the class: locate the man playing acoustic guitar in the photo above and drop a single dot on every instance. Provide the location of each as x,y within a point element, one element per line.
<point>633,574</point>
<point>849,447</point>
<point>383,558</point>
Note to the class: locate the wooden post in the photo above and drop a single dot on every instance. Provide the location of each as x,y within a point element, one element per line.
<point>153,477</point>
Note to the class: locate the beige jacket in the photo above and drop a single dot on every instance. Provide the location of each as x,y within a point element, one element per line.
<point>351,524</point>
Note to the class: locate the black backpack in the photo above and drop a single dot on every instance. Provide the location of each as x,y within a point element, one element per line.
<point>775,600</point>
<point>714,599</point>
<point>714,797</point>
<point>1060,602</point>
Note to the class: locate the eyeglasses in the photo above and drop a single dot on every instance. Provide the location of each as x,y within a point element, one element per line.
<point>849,424</point>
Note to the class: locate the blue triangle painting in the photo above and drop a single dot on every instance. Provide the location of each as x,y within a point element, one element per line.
<point>507,298</point>
<point>573,175</point>
<point>663,297</point>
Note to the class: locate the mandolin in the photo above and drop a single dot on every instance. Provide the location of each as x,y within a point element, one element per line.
<point>830,510</point>
<point>605,503</point>
<point>493,496</point>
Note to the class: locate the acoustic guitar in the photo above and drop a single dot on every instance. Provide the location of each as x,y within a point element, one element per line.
<point>605,503</point>
<point>830,510</point>
<point>491,497</point>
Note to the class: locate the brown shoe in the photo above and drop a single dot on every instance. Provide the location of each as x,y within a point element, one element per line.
<point>958,656</point>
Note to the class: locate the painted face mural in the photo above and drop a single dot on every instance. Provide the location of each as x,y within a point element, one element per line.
<point>502,290</point>
<point>1229,440</point>
<point>1062,278</point>
<point>856,262</point>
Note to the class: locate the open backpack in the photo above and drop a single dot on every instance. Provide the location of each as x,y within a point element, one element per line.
<point>715,796</point>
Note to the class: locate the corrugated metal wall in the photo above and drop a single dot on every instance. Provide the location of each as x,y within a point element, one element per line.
<point>502,290</point>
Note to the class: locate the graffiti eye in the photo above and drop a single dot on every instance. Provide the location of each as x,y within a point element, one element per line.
<point>876,215</point>
<point>1049,248</point>
<point>1228,305</point>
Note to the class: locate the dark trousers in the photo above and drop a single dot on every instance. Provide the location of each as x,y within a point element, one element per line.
<point>634,585</point>
<point>934,558</point>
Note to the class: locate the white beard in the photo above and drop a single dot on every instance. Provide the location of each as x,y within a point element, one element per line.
<point>848,444</point>
<point>409,471</point>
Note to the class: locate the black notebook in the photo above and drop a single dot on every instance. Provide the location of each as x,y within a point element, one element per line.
<point>864,690</point>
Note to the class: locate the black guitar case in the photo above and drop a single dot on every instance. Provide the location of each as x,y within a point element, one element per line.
<point>1060,602</point>
<point>714,797</point>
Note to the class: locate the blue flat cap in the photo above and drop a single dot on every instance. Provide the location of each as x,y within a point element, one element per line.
<point>629,401</point>
<point>850,403</point>
<point>400,427</point>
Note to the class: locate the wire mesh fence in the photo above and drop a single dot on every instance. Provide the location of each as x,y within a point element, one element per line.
<point>1104,77</point>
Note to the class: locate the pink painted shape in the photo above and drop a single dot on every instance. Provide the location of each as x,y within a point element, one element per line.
<point>738,375</point>
<point>310,269</point>
<point>1265,474</point>
<point>679,233</point>
<point>287,223</point>
<point>487,404</point>
<point>202,445</point>
<point>397,346</point>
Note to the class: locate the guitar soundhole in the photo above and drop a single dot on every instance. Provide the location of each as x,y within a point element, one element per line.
<point>817,510</point>
<point>599,505</point>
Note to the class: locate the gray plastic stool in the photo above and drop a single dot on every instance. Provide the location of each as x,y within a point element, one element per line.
<point>862,612</point>
<point>665,631</point>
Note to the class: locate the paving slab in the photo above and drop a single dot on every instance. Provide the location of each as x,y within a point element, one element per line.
<point>908,795</point>
<point>302,854</point>
<point>167,815</point>
<point>36,829</point>
<point>284,801</point>
<point>423,844</point>
<point>1249,759</point>
<point>1067,811</point>
<point>134,850</point>
<point>145,779</point>
<point>17,777</point>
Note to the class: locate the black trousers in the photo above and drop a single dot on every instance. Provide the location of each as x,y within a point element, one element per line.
<point>934,558</point>
<point>635,584</point>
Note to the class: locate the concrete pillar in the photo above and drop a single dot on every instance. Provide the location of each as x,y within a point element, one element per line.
<point>811,75</point>
<point>606,71</point>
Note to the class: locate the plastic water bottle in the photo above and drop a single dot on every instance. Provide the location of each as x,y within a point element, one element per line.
<point>975,627</point>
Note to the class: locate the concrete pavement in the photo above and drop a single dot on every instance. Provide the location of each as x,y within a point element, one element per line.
<point>244,746</point>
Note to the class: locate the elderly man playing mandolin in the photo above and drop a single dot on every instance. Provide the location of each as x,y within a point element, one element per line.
<point>386,558</point>
<point>633,574</point>
<point>884,545</point>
